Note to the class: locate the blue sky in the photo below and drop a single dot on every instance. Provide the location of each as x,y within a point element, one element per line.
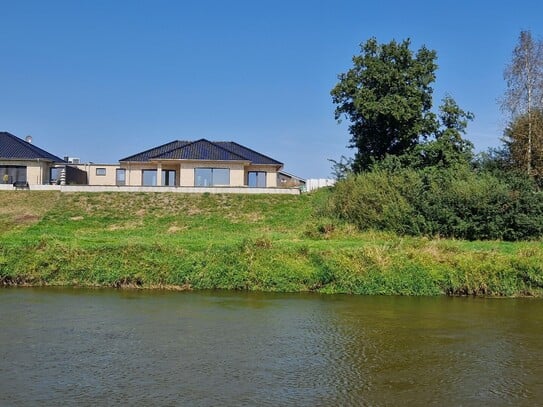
<point>102,80</point>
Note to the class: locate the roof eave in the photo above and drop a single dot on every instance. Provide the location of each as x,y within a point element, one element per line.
<point>175,160</point>
<point>32,159</point>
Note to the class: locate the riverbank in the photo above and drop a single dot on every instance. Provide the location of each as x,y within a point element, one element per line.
<point>240,242</point>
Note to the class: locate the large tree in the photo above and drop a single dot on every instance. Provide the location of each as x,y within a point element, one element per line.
<point>387,97</point>
<point>524,101</point>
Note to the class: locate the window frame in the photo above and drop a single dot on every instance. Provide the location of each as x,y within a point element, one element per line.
<point>99,169</point>
<point>15,173</point>
<point>212,180</point>
<point>149,170</point>
<point>117,172</point>
<point>263,174</point>
<point>166,176</point>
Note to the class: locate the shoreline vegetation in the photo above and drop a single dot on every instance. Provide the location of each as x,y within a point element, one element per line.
<point>241,242</point>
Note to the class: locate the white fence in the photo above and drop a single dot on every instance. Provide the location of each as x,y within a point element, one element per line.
<point>316,183</point>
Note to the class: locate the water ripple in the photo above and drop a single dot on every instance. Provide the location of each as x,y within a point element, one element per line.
<point>104,347</point>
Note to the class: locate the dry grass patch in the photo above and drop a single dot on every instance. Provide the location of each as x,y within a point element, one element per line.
<point>20,209</point>
<point>131,225</point>
<point>175,229</point>
<point>378,255</point>
<point>240,217</point>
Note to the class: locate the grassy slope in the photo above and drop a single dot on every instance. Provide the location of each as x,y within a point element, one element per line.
<point>265,242</point>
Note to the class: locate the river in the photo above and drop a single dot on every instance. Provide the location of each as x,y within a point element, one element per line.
<point>122,347</point>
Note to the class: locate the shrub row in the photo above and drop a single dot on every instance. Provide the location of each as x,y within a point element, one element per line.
<point>453,202</point>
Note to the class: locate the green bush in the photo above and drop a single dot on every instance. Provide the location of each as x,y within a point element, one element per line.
<point>373,200</point>
<point>452,202</point>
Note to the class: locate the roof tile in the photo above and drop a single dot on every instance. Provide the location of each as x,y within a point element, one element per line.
<point>203,150</point>
<point>13,148</point>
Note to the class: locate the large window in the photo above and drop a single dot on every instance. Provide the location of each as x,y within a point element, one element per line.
<point>12,173</point>
<point>149,178</point>
<point>120,176</point>
<point>101,172</point>
<point>206,177</point>
<point>256,179</point>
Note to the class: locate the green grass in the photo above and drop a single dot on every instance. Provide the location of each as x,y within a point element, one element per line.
<point>244,242</point>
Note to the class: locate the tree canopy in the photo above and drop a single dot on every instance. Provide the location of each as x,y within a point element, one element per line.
<point>449,147</point>
<point>387,97</point>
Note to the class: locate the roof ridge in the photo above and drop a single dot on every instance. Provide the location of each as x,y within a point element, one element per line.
<point>214,143</point>
<point>225,149</point>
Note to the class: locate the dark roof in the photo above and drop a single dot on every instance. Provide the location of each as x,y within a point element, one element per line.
<point>251,155</point>
<point>203,150</point>
<point>14,148</point>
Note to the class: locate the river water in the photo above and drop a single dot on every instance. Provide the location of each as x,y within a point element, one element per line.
<point>109,347</point>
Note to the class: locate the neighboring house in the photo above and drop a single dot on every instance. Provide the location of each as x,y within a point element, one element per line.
<point>21,161</point>
<point>178,163</point>
<point>284,179</point>
<point>199,163</point>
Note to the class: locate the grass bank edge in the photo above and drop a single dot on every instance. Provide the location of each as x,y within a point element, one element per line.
<point>243,243</point>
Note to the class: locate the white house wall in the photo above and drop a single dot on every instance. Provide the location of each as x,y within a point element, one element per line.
<point>93,179</point>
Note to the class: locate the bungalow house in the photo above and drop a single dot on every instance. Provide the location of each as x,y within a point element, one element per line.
<point>198,163</point>
<point>23,162</point>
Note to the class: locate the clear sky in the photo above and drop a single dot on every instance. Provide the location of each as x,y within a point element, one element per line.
<point>102,80</point>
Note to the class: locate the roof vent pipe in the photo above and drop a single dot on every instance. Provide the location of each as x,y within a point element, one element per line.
<point>28,139</point>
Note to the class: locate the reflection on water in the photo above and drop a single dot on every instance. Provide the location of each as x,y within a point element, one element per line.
<point>96,347</point>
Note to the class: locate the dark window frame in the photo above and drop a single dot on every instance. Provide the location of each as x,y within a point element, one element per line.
<point>149,170</point>
<point>212,183</point>
<point>15,173</point>
<point>259,174</point>
<point>166,177</point>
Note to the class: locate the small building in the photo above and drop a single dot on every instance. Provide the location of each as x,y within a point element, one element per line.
<point>23,162</point>
<point>286,180</point>
<point>198,163</point>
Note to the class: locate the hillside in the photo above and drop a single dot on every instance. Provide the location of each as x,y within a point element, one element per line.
<point>243,242</point>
